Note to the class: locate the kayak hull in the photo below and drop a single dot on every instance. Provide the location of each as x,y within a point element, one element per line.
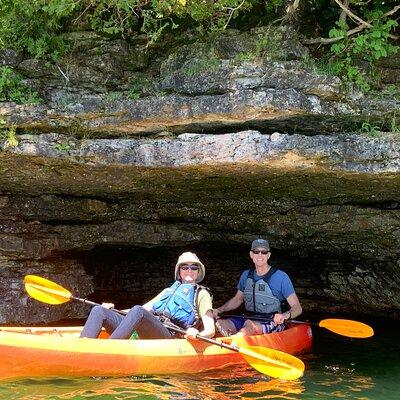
<point>45,352</point>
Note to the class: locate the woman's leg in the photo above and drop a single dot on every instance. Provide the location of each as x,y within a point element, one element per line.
<point>99,317</point>
<point>143,322</point>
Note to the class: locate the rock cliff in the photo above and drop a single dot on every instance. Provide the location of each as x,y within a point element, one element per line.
<point>136,156</point>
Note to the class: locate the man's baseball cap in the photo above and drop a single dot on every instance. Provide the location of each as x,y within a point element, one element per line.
<point>260,243</point>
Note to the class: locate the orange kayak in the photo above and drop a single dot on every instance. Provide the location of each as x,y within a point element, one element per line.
<point>58,351</point>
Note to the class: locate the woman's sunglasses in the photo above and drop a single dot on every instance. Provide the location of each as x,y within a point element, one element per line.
<point>260,251</point>
<point>192,267</point>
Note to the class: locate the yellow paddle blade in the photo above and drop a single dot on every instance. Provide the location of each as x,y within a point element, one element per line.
<point>46,291</point>
<point>347,327</point>
<point>274,363</point>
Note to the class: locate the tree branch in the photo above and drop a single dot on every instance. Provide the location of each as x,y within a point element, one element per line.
<point>292,7</point>
<point>343,14</point>
<point>352,15</point>
<point>363,24</point>
<point>231,12</point>
<point>391,12</point>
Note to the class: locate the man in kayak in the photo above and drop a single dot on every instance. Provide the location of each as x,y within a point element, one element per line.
<point>263,289</point>
<point>185,304</point>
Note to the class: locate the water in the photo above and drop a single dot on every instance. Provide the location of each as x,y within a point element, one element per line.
<point>338,368</point>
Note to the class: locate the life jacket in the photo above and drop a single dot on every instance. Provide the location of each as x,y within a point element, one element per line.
<point>258,296</point>
<point>178,304</point>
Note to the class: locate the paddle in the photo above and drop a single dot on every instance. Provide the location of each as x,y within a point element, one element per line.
<point>274,363</point>
<point>49,292</point>
<point>344,327</point>
<point>265,360</point>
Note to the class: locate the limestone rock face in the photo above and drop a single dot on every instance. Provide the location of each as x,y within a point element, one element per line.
<point>18,307</point>
<point>136,156</point>
<point>261,80</point>
<point>96,65</point>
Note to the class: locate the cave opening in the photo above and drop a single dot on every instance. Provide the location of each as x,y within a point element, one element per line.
<point>128,275</point>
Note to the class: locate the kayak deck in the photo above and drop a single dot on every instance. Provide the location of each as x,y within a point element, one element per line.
<point>58,351</point>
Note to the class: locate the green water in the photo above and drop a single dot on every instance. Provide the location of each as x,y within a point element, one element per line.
<point>337,368</point>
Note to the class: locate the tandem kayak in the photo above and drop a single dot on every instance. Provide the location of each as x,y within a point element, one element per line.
<point>58,351</point>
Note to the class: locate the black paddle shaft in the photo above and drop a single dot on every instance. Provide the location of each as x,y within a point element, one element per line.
<point>92,303</point>
<point>262,318</point>
<point>171,327</point>
<point>205,339</point>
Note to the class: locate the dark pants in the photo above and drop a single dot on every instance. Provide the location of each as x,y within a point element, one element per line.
<point>118,326</point>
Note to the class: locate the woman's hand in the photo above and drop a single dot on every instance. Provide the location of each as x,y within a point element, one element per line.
<point>107,305</point>
<point>191,333</point>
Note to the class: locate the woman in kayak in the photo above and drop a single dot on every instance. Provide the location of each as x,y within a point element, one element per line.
<point>185,304</point>
<point>265,290</point>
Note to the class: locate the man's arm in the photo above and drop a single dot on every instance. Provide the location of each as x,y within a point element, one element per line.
<point>294,311</point>
<point>235,302</point>
<point>295,306</point>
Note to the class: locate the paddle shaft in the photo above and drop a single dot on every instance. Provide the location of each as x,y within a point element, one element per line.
<point>205,339</point>
<point>344,327</point>
<point>171,327</point>
<point>92,303</point>
<point>261,318</point>
<point>242,350</point>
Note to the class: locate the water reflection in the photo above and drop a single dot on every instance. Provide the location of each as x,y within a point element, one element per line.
<point>266,389</point>
<point>241,382</point>
<point>339,382</point>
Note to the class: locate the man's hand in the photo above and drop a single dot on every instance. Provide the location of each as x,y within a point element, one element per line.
<point>281,318</point>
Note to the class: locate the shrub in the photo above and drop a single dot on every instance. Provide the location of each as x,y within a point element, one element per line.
<point>12,88</point>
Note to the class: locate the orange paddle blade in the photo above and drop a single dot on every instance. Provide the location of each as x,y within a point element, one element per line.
<point>347,327</point>
<point>46,291</point>
<point>274,363</point>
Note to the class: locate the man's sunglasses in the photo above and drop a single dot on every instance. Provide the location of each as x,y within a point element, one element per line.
<point>260,251</point>
<point>192,267</point>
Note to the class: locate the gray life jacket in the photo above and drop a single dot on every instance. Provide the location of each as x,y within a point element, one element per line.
<point>258,296</point>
